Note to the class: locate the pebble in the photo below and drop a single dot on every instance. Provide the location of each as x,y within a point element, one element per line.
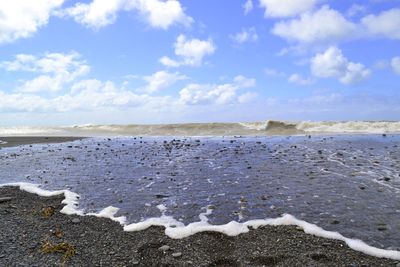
<point>75,220</point>
<point>5,199</point>
<point>135,262</point>
<point>176,254</point>
<point>164,248</point>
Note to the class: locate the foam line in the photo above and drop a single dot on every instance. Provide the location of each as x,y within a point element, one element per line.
<point>177,230</point>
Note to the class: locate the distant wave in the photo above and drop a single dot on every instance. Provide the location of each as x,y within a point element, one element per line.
<point>270,127</point>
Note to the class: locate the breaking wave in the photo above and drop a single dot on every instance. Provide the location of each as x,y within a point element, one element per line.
<point>270,127</point>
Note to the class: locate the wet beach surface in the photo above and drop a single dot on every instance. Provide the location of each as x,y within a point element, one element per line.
<point>347,183</point>
<point>32,228</point>
<point>10,141</point>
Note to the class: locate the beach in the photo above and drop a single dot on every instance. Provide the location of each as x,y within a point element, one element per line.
<point>213,180</point>
<point>26,228</point>
<point>10,141</point>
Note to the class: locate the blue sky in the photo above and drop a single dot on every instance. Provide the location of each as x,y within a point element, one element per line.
<point>66,62</point>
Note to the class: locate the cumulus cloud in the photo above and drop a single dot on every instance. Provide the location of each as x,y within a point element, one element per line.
<point>246,35</point>
<point>96,14</point>
<point>248,7</point>
<point>21,18</point>
<point>386,24</point>
<point>286,8</point>
<point>190,52</point>
<point>324,25</point>
<point>222,94</point>
<point>157,13</point>
<point>55,69</point>
<point>299,80</point>
<point>84,95</point>
<point>161,80</point>
<point>333,64</point>
<point>395,64</point>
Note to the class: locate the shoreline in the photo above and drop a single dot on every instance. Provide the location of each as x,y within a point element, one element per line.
<point>29,221</point>
<point>12,141</point>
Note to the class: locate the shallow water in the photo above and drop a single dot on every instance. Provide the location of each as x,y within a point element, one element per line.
<point>349,184</point>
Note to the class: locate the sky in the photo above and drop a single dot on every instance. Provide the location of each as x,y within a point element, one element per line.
<point>67,62</point>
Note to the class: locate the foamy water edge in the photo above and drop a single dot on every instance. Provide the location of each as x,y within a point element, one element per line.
<point>177,230</point>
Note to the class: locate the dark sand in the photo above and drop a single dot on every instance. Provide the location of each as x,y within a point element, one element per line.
<point>101,242</point>
<point>28,140</point>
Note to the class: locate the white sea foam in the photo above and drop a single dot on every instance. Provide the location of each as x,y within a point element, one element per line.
<point>110,213</point>
<point>71,199</point>
<point>333,127</point>
<point>177,230</point>
<point>350,127</point>
<point>3,142</point>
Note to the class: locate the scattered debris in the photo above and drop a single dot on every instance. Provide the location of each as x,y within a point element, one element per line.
<point>48,212</point>
<point>64,248</point>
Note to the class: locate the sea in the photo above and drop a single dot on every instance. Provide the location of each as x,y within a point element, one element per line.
<point>340,177</point>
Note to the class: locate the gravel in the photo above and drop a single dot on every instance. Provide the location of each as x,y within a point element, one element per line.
<point>102,242</point>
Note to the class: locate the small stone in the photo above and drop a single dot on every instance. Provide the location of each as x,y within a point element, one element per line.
<point>2,256</point>
<point>176,254</point>
<point>5,199</point>
<point>75,220</point>
<point>164,248</point>
<point>382,228</point>
<point>135,262</point>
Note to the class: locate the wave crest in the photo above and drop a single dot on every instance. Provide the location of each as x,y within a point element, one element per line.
<point>270,127</point>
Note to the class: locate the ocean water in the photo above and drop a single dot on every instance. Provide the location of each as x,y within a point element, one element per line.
<point>263,128</point>
<point>345,183</point>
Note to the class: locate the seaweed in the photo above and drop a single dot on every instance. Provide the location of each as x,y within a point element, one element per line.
<point>64,248</point>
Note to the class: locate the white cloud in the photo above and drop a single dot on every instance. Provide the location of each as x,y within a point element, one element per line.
<point>166,61</point>
<point>286,8</point>
<point>55,70</point>
<point>160,80</point>
<point>89,95</point>
<point>97,14</point>
<point>243,82</point>
<point>157,13</point>
<point>274,73</point>
<point>248,6</point>
<point>246,35</point>
<point>356,9</point>
<point>247,97</point>
<point>298,79</point>
<point>94,94</point>
<point>22,18</point>
<point>332,64</point>
<point>190,52</point>
<point>221,94</point>
<point>386,24</point>
<point>395,63</point>
<point>161,14</point>
<point>324,25</point>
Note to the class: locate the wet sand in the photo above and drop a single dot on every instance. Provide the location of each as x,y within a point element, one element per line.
<point>31,224</point>
<point>29,140</point>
